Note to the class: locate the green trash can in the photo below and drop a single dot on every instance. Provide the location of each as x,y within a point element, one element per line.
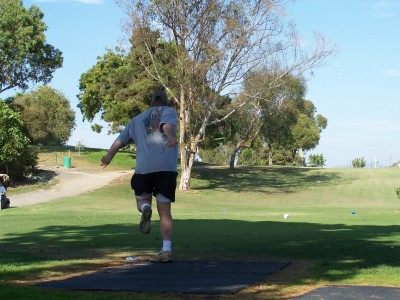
<point>67,162</point>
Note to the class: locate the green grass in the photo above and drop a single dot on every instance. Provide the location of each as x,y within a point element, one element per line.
<point>54,156</point>
<point>226,216</point>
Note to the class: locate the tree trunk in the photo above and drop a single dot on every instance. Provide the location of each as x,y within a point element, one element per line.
<point>186,169</point>
<point>183,121</point>
<point>184,184</point>
<point>301,153</point>
<point>233,157</point>
<point>187,142</point>
<point>294,152</point>
<point>270,156</point>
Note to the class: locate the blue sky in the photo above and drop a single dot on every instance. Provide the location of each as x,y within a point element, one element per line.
<point>358,90</point>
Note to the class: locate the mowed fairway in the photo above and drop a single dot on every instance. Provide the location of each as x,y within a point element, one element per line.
<point>343,228</point>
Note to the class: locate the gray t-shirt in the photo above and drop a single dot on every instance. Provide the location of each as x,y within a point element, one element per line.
<point>144,130</point>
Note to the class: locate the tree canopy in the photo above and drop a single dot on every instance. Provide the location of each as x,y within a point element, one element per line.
<point>117,88</point>
<point>47,115</point>
<point>25,56</point>
<point>306,132</point>
<point>15,151</point>
<point>316,160</point>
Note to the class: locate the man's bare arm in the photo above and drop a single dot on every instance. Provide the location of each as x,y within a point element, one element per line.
<point>170,132</point>
<point>105,160</point>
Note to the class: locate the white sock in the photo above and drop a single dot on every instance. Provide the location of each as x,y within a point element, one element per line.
<point>143,206</point>
<point>167,245</point>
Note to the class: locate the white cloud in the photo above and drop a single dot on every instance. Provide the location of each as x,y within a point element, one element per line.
<point>391,72</point>
<point>368,127</point>
<point>383,14</point>
<point>382,4</point>
<point>95,2</point>
<point>90,1</point>
<point>385,9</point>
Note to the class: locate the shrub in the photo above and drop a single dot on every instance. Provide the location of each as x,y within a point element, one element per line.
<point>359,162</point>
<point>397,192</point>
<point>219,156</point>
<point>246,157</point>
<point>316,160</point>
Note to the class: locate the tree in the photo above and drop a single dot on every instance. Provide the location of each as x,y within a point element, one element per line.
<point>247,128</point>
<point>316,160</point>
<point>359,162</point>
<point>24,54</point>
<point>16,154</point>
<point>47,115</point>
<point>307,130</point>
<point>287,120</point>
<point>216,44</point>
<point>275,107</point>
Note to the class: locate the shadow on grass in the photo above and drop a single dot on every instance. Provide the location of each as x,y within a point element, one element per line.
<point>40,178</point>
<point>259,179</point>
<point>340,250</point>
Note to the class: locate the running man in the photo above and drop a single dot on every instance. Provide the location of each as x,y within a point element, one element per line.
<point>154,133</point>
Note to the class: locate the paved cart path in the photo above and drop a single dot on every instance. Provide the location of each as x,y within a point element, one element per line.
<point>72,182</point>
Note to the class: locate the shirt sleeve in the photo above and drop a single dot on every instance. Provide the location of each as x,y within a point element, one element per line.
<point>169,116</point>
<point>124,136</point>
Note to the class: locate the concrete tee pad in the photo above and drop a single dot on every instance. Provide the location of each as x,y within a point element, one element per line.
<point>178,277</point>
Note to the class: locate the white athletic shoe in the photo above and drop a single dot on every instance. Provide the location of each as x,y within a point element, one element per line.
<point>145,220</point>
<point>162,256</point>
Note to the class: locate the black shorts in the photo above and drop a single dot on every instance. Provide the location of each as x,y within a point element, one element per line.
<point>155,183</point>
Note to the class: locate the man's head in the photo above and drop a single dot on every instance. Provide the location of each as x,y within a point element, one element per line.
<point>159,98</point>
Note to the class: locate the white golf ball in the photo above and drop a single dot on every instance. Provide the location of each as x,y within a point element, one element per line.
<point>285,216</point>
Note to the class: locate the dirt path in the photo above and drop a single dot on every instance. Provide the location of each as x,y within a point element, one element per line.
<point>72,182</point>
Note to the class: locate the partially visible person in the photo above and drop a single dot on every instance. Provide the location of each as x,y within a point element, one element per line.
<point>5,202</point>
<point>154,133</point>
<point>3,189</point>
